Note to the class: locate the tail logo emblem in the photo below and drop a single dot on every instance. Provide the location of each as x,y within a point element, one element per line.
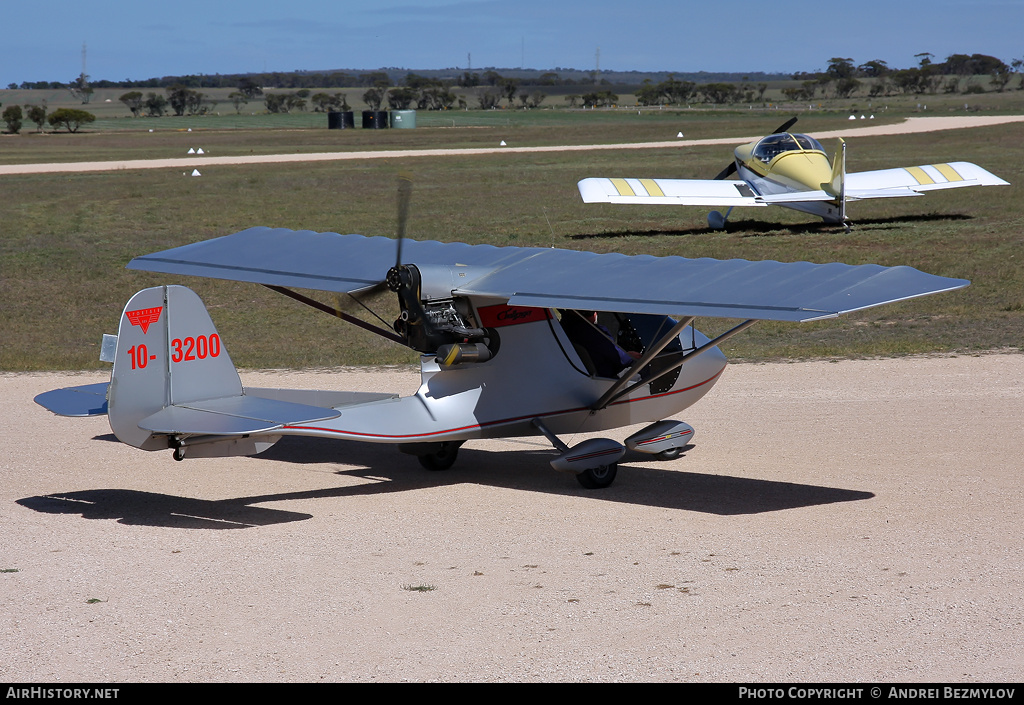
<point>144,317</point>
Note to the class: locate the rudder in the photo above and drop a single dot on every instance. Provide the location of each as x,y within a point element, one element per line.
<point>168,352</point>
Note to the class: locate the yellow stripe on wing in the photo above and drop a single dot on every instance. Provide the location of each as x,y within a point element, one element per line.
<point>652,188</point>
<point>948,171</point>
<point>920,175</point>
<point>622,187</point>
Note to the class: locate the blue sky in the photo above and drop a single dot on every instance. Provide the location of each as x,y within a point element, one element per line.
<point>138,40</point>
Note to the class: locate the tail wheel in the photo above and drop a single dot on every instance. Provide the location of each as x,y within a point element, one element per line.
<point>598,478</point>
<point>441,459</point>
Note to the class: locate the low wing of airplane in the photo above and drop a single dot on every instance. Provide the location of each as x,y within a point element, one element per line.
<point>789,170</point>
<point>917,180</point>
<point>498,357</point>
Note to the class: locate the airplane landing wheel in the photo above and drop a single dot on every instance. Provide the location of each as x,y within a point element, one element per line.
<point>670,454</point>
<point>441,459</point>
<point>598,478</point>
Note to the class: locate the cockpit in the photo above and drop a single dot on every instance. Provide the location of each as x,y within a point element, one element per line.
<point>773,145</point>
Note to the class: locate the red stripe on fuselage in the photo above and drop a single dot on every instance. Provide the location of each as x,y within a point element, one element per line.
<point>487,424</point>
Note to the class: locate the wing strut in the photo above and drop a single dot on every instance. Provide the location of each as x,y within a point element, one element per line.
<point>619,388</point>
<point>645,359</point>
<point>382,332</point>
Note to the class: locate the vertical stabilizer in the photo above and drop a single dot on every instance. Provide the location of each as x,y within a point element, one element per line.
<point>837,184</point>
<point>168,352</point>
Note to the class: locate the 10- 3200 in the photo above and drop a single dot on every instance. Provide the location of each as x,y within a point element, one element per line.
<point>182,350</point>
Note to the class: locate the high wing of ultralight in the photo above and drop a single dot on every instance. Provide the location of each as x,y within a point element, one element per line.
<point>790,170</point>
<point>550,277</point>
<point>508,339</point>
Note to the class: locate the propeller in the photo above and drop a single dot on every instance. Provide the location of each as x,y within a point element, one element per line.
<point>404,197</point>
<point>784,127</point>
<point>430,328</point>
<point>350,301</point>
<point>412,329</point>
<point>731,169</point>
<point>726,172</point>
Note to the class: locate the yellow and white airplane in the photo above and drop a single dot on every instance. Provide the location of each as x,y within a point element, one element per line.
<point>790,170</point>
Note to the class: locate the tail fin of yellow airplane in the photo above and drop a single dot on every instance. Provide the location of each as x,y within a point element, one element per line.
<point>836,185</point>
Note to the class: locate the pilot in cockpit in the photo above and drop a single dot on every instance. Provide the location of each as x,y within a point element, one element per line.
<point>606,358</point>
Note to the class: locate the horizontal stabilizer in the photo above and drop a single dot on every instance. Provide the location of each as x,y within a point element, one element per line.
<point>863,194</point>
<point>230,416</point>
<point>86,400</point>
<point>318,397</point>
<point>796,197</point>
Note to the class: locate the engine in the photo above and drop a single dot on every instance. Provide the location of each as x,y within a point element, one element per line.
<point>432,320</point>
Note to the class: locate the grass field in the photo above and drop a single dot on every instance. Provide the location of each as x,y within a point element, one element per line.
<point>64,239</point>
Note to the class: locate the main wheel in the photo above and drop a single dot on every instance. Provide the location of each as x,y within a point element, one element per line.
<point>670,454</point>
<point>598,478</point>
<point>441,459</point>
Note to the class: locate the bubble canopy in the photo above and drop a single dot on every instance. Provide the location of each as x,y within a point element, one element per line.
<point>773,145</point>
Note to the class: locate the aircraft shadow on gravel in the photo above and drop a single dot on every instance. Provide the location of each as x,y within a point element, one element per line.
<point>641,482</point>
<point>767,228</point>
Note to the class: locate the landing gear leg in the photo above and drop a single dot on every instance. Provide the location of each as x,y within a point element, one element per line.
<point>716,221</point>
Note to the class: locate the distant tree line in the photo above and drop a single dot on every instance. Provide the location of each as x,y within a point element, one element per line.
<point>182,95</point>
<point>300,80</point>
<point>959,73</point>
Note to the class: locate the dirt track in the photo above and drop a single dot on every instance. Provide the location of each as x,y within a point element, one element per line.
<point>848,521</point>
<point>911,125</point>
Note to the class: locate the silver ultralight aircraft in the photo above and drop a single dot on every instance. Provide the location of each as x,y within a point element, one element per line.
<point>789,170</point>
<point>509,337</point>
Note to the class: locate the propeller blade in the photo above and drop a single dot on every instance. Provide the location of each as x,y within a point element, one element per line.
<point>731,169</point>
<point>784,127</point>
<point>727,171</point>
<point>404,196</point>
<point>353,299</point>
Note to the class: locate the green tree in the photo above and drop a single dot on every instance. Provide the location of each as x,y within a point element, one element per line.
<point>37,114</point>
<point>1001,75</point>
<point>249,88</point>
<point>81,89</point>
<point>238,99</point>
<point>845,87</point>
<point>509,86</point>
<point>12,116</point>
<point>184,100</point>
<point>276,102</point>
<point>70,118</point>
<point>373,97</point>
<point>489,98</point>
<point>156,104</point>
<point>648,93</point>
<point>134,101</point>
<point>599,99</point>
<point>839,68</point>
<point>874,68</point>
<point>401,98</point>
<point>535,99</point>
<point>718,93</point>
